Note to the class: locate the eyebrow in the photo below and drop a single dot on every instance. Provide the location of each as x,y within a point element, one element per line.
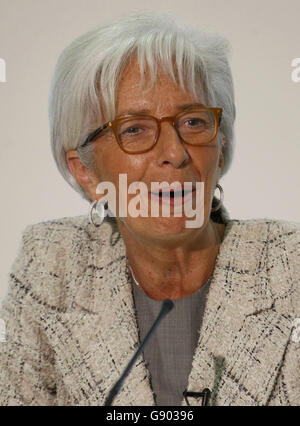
<point>148,112</point>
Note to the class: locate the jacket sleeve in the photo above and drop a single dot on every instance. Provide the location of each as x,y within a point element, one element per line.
<point>27,374</point>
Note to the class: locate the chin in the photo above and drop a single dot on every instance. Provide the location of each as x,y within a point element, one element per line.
<point>160,228</point>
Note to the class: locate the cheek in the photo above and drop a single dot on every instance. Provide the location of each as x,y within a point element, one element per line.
<point>111,161</point>
<point>205,160</point>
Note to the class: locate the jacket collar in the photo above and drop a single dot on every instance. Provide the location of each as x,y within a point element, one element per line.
<point>239,329</point>
<point>240,258</point>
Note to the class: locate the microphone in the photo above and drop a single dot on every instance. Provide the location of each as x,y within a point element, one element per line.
<point>205,394</point>
<point>167,305</point>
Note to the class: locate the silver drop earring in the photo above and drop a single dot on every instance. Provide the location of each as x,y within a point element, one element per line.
<point>218,206</point>
<point>99,208</point>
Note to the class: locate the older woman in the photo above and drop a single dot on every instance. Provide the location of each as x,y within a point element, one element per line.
<point>152,101</point>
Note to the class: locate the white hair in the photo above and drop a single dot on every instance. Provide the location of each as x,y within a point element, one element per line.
<point>89,70</point>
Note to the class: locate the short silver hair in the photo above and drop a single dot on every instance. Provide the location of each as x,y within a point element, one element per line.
<point>90,68</point>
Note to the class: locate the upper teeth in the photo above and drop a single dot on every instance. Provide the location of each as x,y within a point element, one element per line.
<point>175,193</point>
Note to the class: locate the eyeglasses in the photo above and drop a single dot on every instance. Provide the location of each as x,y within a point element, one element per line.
<point>136,134</point>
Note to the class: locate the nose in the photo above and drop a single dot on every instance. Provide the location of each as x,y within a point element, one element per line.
<point>170,148</point>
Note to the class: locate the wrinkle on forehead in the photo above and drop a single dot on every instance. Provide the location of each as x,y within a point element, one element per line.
<point>144,80</point>
<point>142,91</point>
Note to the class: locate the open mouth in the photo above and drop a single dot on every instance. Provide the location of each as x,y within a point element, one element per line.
<point>173,197</point>
<point>173,193</point>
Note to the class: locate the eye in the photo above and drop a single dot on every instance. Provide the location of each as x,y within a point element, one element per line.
<point>133,130</point>
<point>195,122</point>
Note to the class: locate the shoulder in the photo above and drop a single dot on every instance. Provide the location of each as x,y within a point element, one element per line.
<point>275,240</point>
<point>276,244</point>
<point>273,233</point>
<point>50,230</point>
<point>66,231</point>
<point>53,255</point>
<point>272,225</point>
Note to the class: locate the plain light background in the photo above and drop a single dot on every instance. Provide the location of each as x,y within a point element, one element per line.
<point>265,37</point>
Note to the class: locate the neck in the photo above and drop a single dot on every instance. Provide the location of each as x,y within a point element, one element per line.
<point>173,273</point>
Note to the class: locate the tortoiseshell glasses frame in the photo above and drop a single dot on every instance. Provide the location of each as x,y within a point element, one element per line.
<point>213,115</point>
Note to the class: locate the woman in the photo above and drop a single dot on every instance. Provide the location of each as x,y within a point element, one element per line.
<point>84,291</point>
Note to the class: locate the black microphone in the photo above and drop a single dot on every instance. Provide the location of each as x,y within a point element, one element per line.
<point>205,394</point>
<point>167,305</point>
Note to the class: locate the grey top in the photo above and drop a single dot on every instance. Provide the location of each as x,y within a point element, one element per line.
<point>169,352</point>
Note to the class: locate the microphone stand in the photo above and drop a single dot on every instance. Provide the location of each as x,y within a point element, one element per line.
<point>167,305</point>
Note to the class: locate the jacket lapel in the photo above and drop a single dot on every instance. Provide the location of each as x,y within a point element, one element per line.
<point>95,342</point>
<point>242,340</point>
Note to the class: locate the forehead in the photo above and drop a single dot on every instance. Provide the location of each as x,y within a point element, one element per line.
<point>164,96</point>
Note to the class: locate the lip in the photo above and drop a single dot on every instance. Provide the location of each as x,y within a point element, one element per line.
<point>172,201</point>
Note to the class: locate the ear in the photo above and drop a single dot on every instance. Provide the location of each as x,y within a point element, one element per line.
<point>221,157</point>
<point>78,170</point>
<point>83,176</point>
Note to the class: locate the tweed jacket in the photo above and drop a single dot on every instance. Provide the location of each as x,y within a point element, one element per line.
<point>71,324</point>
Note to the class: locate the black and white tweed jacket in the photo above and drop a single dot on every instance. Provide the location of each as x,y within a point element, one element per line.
<point>71,325</point>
